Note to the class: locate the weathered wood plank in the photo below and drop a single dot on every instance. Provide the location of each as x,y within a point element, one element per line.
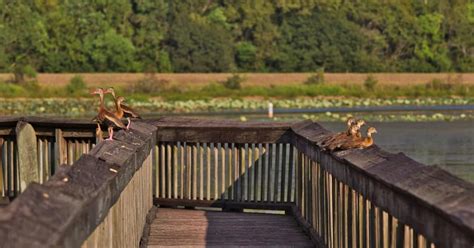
<point>27,154</point>
<point>173,227</point>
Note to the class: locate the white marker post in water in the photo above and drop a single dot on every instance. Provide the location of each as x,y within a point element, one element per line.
<point>270,110</point>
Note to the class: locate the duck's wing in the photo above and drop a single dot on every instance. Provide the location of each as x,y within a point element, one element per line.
<point>112,118</point>
<point>129,112</point>
<point>333,138</point>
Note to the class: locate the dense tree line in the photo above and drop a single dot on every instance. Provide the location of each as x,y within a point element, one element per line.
<point>236,35</point>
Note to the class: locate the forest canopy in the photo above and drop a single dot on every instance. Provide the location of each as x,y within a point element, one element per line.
<point>236,36</point>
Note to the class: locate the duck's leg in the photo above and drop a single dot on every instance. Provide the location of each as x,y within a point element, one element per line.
<point>99,133</point>
<point>111,133</point>
<point>129,122</point>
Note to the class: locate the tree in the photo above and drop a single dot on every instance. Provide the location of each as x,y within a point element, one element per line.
<point>24,40</point>
<point>150,26</point>
<point>199,47</point>
<point>112,52</point>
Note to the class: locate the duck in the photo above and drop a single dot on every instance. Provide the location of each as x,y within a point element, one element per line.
<point>328,140</point>
<point>352,132</point>
<point>359,124</point>
<point>105,116</point>
<point>121,109</point>
<point>359,143</point>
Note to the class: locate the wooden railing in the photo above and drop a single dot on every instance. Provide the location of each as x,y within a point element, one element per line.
<point>356,198</point>
<point>101,201</point>
<point>353,198</point>
<point>59,141</point>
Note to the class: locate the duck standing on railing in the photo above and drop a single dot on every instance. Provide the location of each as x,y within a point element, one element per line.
<point>105,117</point>
<point>121,109</point>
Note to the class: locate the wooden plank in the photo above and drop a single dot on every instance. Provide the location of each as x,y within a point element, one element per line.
<point>215,174</point>
<point>225,204</point>
<point>60,147</point>
<point>2,181</point>
<point>175,170</point>
<point>171,228</point>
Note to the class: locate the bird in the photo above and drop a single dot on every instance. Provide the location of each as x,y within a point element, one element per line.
<point>359,124</point>
<point>361,142</point>
<point>106,117</point>
<point>121,109</point>
<point>352,132</point>
<point>328,140</point>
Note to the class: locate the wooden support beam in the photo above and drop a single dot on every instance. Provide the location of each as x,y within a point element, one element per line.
<point>231,205</point>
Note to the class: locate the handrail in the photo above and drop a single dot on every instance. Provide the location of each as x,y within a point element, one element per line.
<point>77,206</point>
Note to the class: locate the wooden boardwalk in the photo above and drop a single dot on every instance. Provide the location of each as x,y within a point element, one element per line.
<point>180,227</point>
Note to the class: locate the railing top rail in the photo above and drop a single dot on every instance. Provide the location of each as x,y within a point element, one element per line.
<point>195,123</point>
<point>48,122</point>
<point>386,178</point>
<point>67,208</point>
<point>180,129</point>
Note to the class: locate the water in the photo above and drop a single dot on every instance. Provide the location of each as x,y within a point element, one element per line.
<point>447,144</point>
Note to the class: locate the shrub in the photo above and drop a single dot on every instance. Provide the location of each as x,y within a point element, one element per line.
<point>149,84</point>
<point>234,82</point>
<point>316,79</point>
<point>76,85</point>
<point>11,90</point>
<point>370,82</point>
<point>438,84</point>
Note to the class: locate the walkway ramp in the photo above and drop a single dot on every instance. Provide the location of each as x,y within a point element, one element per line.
<point>183,227</point>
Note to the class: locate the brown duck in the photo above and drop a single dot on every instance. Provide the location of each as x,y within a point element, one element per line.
<point>121,109</point>
<point>350,122</point>
<point>359,124</point>
<point>360,143</point>
<point>105,117</point>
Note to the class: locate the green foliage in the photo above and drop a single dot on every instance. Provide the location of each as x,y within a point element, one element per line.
<point>197,47</point>
<point>317,78</point>
<point>234,82</point>
<point>76,86</point>
<point>438,84</point>
<point>222,36</point>
<point>246,55</point>
<point>370,82</point>
<point>11,90</point>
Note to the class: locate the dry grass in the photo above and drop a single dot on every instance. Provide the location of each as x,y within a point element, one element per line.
<point>261,79</point>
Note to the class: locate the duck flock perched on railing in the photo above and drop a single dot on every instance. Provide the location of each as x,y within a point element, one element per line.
<point>112,118</point>
<point>351,138</point>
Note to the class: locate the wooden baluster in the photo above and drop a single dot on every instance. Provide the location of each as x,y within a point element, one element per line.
<point>284,167</point>
<point>175,170</point>
<point>291,166</point>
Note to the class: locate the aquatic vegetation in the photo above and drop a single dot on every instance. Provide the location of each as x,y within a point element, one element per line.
<point>87,106</point>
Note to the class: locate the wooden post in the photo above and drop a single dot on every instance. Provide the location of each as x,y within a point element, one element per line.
<point>60,151</point>
<point>2,183</point>
<point>27,154</point>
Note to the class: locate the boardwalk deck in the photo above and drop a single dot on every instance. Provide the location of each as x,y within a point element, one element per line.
<point>180,227</point>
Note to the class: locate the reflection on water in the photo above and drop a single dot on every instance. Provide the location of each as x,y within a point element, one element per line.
<point>447,144</point>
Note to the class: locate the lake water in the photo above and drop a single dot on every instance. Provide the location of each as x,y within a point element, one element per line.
<point>447,144</point>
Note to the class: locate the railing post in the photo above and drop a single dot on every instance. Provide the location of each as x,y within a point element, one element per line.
<point>27,154</point>
<point>60,151</point>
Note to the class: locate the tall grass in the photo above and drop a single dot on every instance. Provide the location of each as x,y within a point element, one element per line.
<point>435,88</point>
